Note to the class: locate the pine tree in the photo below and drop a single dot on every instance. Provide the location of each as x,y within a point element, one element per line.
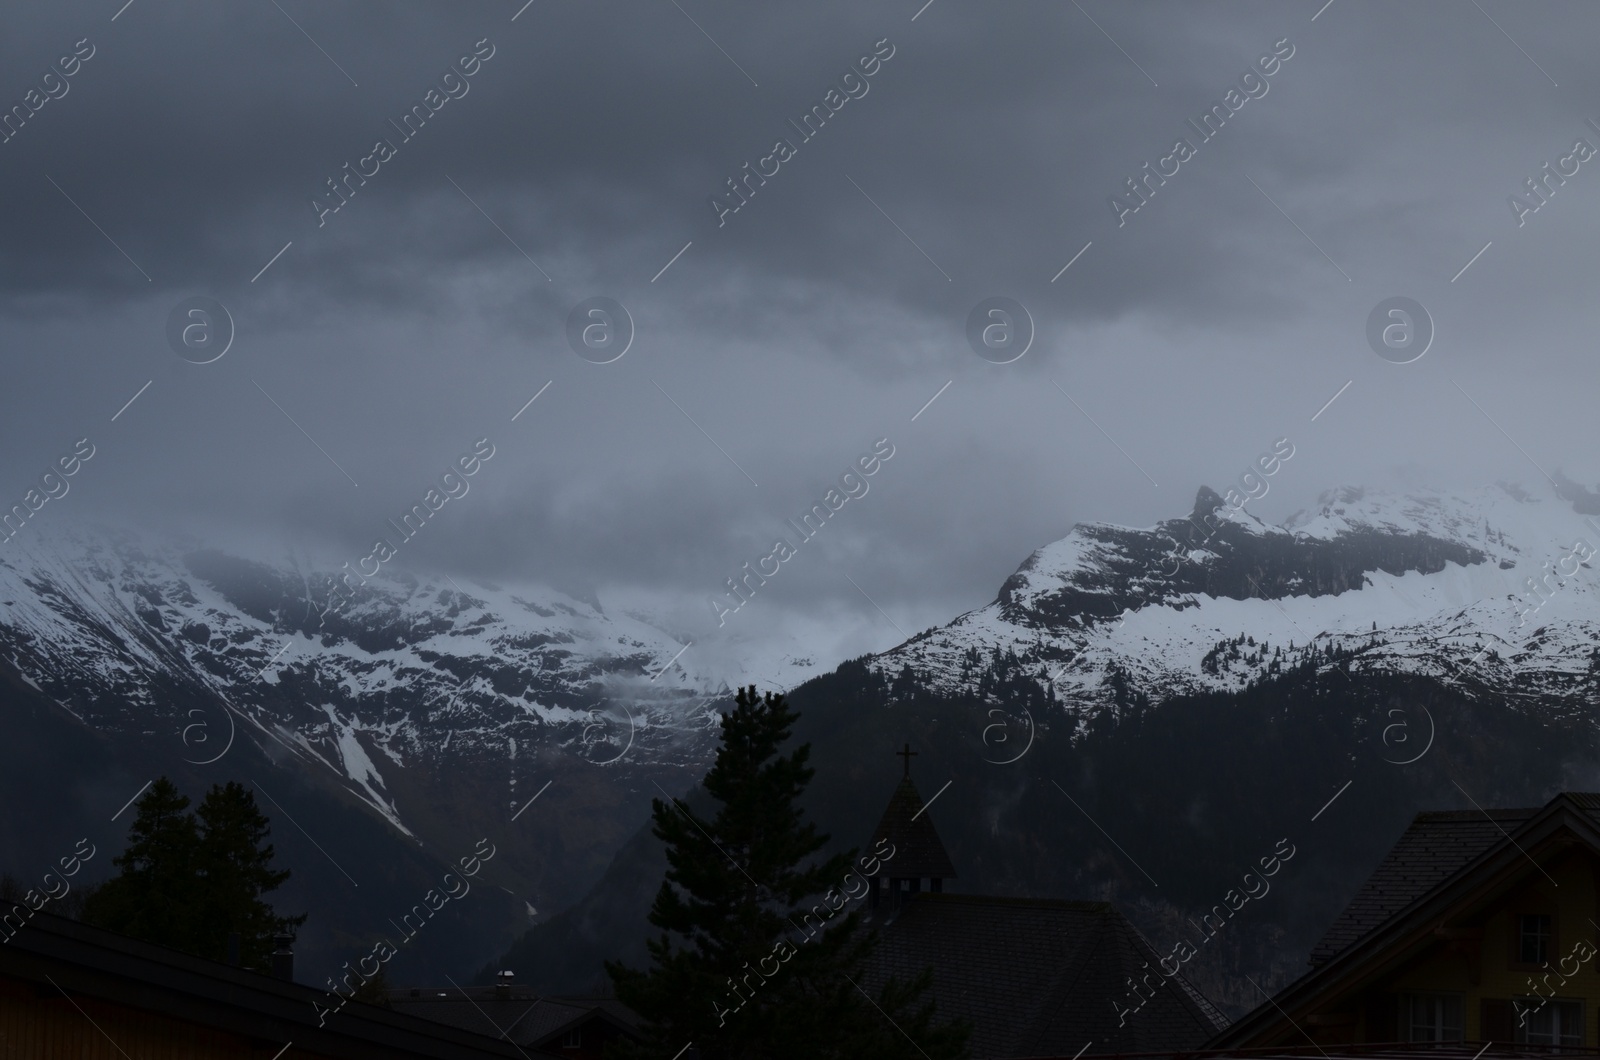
<point>236,863</point>
<point>190,883</point>
<point>727,972</point>
<point>156,895</point>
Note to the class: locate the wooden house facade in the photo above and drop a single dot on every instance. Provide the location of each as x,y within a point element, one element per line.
<point>1480,926</point>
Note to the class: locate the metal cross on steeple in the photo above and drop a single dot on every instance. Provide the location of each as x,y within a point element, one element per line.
<point>907,755</point>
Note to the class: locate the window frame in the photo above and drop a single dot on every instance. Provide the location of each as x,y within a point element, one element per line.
<point>1411,998</point>
<point>1552,945</point>
<point>1576,1005</point>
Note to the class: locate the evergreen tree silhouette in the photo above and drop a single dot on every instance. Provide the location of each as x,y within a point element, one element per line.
<point>235,865</point>
<point>732,909</point>
<point>189,881</point>
<point>154,897</point>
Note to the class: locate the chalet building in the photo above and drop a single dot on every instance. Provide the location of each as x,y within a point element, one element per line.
<point>577,1028</point>
<point>1478,927</point>
<point>70,990</point>
<point>1033,977</point>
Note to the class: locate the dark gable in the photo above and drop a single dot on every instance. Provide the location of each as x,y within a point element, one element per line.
<point>1464,921</point>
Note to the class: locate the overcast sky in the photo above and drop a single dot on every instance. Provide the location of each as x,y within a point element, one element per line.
<point>776,348</point>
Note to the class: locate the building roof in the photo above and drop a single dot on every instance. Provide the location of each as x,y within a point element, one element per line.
<point>1433,849</point>
<point>59,956</point>
<point>482,1014</point>
<point>517,1015</point>
<point>1444,863</point>
<point>918,851</point>
<point>1378,1051</point>
<point>1038,977</point>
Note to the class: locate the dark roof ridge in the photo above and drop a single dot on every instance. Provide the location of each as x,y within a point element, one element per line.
<point>1029,1032</point>
<point>1218,1019</point>
<point>1036,975</point>
<point>1432,850</point>
<point>998,899</point>
<point>147,976</point>
<point>1473,815</point>
<point>1577,812</point>
<point>1575,797</point>
<point>1115,937</point>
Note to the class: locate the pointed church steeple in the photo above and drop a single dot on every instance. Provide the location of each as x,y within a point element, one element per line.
<point>919,858</point>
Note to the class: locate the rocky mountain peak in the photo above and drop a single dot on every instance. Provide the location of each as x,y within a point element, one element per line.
<point>1417,583</point>
<point>1206,501</point>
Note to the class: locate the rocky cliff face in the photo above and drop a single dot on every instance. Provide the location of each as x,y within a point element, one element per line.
<point>1141,712</point>
<point>1492,588</point>
<point>444,709</point>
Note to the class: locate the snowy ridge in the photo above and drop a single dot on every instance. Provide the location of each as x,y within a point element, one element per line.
<point>190,648</point>
<point>161,640</point>
<point>1424,583</point>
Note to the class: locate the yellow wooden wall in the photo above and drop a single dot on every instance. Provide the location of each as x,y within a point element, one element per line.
<point>1570,895</point>
<point>35,1026</point>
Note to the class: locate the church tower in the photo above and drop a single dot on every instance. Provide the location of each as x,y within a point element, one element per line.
<point>919,858</point>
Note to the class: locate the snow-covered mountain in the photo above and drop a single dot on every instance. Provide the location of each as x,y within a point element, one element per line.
<point>1197,689</point>
<point>549,722</point>
<point>1492,588</point>
<point>448,709</point>
<point>412,670</point>
<point>423,677</point>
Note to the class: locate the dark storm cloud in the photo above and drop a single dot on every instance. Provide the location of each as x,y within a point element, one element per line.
<point>993,137</point>
<point>818,317</point>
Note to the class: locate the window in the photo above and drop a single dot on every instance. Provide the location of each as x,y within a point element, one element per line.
<point>1545,1021</point>
<point>1432,1017</point>
<point>572,1040</point>
<point>1534,935</point>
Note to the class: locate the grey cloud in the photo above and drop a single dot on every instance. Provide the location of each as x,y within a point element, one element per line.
<point>808,324</point>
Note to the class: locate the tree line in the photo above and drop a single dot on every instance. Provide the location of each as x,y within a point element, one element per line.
<point>194,881</point>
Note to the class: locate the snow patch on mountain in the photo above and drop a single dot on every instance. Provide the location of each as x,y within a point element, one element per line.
<point>359,768</point>
<point>141,637</point>
<point>1107,613</point>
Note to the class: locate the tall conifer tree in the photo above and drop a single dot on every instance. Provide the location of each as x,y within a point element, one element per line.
<point>738,970</point>
<point>153,897</point>
<point>235,861</point>
<point>191,884</point>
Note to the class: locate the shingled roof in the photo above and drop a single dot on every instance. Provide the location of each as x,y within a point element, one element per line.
<point>918,851</point>
<point>519,1016</point>
<point>1039,977</point>
<point>150,990</point>
<point>483,1014</point>
<point>1444,863</point>
<point>1433,849</point>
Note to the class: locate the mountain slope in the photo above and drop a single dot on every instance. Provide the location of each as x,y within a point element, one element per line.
<point>1426,584</point>
<point>445,711</point>
<point>1117,726</point>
